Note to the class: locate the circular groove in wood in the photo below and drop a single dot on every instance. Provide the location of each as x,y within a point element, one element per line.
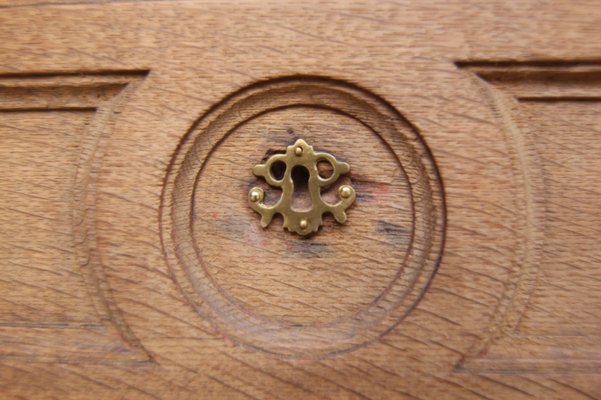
<point>197,246</point>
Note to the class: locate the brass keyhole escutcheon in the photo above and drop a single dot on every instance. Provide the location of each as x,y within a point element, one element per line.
<point>304,221</point>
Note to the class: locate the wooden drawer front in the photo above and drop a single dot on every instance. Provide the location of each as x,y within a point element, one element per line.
<point>134,266</point>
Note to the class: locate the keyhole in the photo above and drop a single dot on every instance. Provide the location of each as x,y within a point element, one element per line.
<point>301,198</point>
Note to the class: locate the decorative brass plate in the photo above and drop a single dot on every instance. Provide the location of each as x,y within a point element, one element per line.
<point>306,221</point>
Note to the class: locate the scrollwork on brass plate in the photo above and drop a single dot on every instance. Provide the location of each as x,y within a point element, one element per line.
<point>303,222</point>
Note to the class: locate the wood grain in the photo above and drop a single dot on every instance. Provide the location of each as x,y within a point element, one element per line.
<point>294,296</point>
<point>556,108</point>
<point>54,129</point>
<point>133,267</point>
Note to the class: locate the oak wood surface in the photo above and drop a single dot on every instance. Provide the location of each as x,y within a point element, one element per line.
<point>133,267</point>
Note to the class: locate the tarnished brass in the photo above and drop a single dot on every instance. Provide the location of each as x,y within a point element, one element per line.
<point>309,220</point>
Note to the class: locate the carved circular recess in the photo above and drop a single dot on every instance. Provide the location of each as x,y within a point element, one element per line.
<point>284,294</point>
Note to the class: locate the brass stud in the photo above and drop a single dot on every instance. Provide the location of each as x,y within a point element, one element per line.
<point>345,191</point>
<point>298,151</point>
<point>255,195</point>
<point>303,223</point>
